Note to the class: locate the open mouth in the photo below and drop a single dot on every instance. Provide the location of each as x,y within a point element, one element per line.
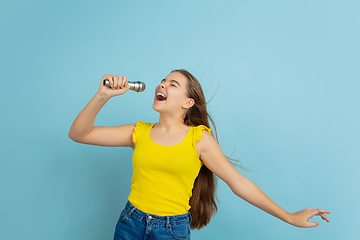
<point>160,96</point>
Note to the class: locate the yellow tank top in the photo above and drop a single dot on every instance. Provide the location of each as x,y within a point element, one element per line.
<point>164,176</point>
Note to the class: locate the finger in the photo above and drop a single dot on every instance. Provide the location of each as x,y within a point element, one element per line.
<point>324,217</point>
<point>116,82</point>
<point>323,211</point>
<point>119,79</point>
<point>126,83</point>
<point>122,82</point>
<point>111,81</point>
<point>119,82</point>
<point>318,212</point>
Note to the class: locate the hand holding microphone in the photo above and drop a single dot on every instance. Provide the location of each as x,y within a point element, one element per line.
<point>135,86</point>
<point>112,85</point>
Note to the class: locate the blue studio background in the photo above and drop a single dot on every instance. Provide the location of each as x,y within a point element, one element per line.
<point>287,74</point>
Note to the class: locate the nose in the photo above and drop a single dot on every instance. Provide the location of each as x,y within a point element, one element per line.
<point>162,85</point>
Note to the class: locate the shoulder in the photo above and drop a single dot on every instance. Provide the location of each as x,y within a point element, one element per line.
<point>141,125</point>
<point>205,141</point>
<point>200,128</point>
<point>206,138</point>
<point>198,133</point>
<point>139,128</point>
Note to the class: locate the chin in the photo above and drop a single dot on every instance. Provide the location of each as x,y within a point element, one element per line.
<point>156,107</point>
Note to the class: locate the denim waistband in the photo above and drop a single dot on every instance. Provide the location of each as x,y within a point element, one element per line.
<point>167,220</point>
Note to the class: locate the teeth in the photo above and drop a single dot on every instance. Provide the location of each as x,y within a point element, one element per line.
<point>161,94</point>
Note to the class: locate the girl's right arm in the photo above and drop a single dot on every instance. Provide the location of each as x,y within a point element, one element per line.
<point>83,129</point>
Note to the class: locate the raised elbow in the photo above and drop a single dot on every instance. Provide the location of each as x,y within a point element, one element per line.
<point>70,135</point>
<point>73,136</point>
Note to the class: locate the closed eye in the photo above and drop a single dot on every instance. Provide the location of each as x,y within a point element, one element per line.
<point>173,83</point>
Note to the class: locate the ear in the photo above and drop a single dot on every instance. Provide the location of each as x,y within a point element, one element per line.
<point>189,103</point>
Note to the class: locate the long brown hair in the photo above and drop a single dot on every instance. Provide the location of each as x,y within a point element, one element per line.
<point>203,200</point>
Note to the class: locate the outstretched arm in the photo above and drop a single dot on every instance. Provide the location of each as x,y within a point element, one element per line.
<point>82,129</point>
<point>211,155</point>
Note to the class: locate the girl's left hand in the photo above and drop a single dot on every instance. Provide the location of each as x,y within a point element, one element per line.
<point>301,218</point>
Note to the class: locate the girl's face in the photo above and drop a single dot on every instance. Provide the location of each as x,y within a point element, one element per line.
<point>171,94</point>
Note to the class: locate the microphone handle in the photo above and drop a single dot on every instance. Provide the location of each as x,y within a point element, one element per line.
<point>135,86</point>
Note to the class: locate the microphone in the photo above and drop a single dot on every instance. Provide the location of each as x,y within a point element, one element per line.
<point>135,86</point>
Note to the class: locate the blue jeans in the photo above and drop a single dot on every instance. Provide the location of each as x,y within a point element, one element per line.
<point>134,224</point>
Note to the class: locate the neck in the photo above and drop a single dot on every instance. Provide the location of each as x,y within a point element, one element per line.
<point>168,121</point>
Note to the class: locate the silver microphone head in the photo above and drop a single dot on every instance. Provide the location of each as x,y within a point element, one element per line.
<point>135,86</point>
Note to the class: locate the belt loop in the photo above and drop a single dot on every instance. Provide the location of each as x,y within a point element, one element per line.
<point>167,222</point>
<point>131,211</point>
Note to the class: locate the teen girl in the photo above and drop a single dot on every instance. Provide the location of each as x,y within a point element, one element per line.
<point>174,162</point>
